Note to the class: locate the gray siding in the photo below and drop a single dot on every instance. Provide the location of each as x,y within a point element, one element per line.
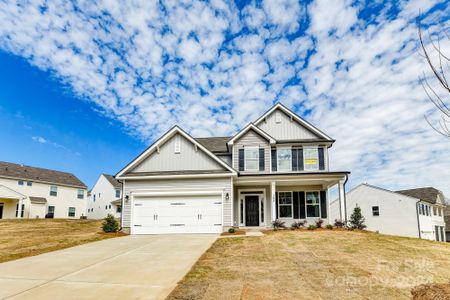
<point>187,159</point>
<point>225,158</point>
<point>133,186</point>
<point>287,129</point>
<point>251,139</point>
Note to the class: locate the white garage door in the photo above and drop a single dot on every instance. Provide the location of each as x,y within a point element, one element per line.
<point>179,214</point>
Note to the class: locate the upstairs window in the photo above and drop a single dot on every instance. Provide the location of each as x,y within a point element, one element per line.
<point>311,158</point>
<point>94,198</point>
<point>284,159</point>
<point>29,183</point>
<point>20,182</point>
<point>375,211</point>
<point>117,193</point>
<point>53,190</point>
<point>251,159</point>
<point>80,194</point>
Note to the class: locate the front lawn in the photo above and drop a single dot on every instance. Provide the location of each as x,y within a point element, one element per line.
<point>320,264</point>
<point>28,237</point>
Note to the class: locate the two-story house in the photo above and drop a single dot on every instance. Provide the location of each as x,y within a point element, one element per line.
<point>413,213</point>
<point>105,198</point>
<point>276,168</point>
<point>29,192</point>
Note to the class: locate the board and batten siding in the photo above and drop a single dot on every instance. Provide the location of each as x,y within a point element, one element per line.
<point>251,139</point>
<point>179,185</point>
<point>188,158</point>
<point>286,129</point>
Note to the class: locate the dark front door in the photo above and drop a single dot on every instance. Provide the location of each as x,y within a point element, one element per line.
<point>251,211</point>
<point>1,210</point>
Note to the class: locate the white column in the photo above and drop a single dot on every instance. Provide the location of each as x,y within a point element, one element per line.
<point>273,190</point>
<point>342,211</point>
<point>328,205</point>
<point>19,209</point>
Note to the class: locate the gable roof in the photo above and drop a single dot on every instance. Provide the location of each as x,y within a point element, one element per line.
<point>162,140</point>
<point>427,194</point>
<point>113,181</point>
<point>16,171</point>
<point>215,144</point>
<point>364,184</point>
<point>296,117</point>
<point>259,131</point>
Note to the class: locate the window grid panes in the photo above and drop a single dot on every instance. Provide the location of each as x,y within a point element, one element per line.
<point>71,211</point>
<point>251,159</point>
<point>311,158</point>
<point>284,159</point>
<point>312,205</point>
<point>285,204</point>
<point>53,190</point>
<point>80,194</point>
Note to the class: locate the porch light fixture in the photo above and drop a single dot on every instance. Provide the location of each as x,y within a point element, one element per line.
<point>227,196</point>
<point>127,198</point>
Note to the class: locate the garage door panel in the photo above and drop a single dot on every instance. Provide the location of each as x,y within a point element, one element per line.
<point>188,214</point>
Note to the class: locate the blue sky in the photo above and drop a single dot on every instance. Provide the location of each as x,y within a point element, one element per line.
<point>86,86</point>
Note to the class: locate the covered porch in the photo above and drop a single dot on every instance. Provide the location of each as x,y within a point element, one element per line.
<point>261,199</point>
<point>11,203</point>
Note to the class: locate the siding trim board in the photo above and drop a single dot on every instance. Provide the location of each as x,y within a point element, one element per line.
<point>254,128</point>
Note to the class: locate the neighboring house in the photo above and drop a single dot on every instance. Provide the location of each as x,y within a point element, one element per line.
<point>104,198</point>
<point>412,213</point>
<point>447,222</point>
<point>29,192</point>
<point>276,168</point>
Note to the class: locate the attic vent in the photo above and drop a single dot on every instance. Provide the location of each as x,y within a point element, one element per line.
<point>177,144</point>
<point>277,117</point>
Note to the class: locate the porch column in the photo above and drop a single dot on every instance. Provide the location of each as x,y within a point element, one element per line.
<point>273,198</point>
<point>342,205</point>
<point>19,209</point>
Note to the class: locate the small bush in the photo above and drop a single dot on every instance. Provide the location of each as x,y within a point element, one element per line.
<point>329,226</point>
<point>298,224</point>
<point>339,223</point>
<point>312,227</point>
<point>277,224</point>
<point>231,230</point>
<point>357,219</point>
<point>319,223</point>
<point>110,224</point>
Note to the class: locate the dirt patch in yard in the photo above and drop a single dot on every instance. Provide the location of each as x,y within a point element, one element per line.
<point>322,264</point>
<point>431,292</point>
<point>21,238</point>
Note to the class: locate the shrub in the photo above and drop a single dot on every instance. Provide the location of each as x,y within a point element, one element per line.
<point>298,224</point>
<point>329,226</point>
<point>277,224</point>
<point>339,223</point>
<point>357,220</point>
<point>312,227</point>
<point>110,224</point>
<point>231,230</point>
<point>319,223</point>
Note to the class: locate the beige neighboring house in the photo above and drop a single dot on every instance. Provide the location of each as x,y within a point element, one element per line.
<point>29,192</point>
<point>105,198</point>
<point>275,168</point>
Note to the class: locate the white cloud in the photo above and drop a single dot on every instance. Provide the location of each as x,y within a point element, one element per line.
<point>211,69</point>
<point>39,139</point>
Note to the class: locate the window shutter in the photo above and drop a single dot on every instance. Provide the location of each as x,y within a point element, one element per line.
<point>241,159</point>
<point>294,159</point>
<point>323,204</point>
<point>274,159</point>
<point>300,160</point>
<point>261,159</point>
<point>296,205</point>
<point>276,205</point>
<point>302,205</point>
<point>321,158</point>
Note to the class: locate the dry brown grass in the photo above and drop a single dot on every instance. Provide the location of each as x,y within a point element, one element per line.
<point>320,264</point>
<point>21,238</point>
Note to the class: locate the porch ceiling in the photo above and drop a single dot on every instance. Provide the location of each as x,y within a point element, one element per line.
<point>10,194</point>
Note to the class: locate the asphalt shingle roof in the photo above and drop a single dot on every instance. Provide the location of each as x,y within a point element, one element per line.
<point>113,181</point>
<point>215,144</point>
<point>17,171</point>
<point>428,194</point>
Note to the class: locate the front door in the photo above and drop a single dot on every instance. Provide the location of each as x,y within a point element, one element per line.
<point>1,210</point>
<point>251,211</point>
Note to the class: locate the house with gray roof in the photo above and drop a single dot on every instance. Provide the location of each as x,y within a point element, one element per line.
<point>275,168</point>
<point>31,192</point>
<point>105,198</point>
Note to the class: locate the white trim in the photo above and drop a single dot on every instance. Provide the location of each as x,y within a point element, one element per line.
<point>257,158</point>
<point>292,205</point>
<point>258,130</point>
<point>261,221</point>
<point>179,176</point>
<point>320,206</point>
<point>163,139</point>
<point>178,193</point>
<point>293,115</point>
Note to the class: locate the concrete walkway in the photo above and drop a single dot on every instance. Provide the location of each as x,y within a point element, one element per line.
<point>130,267</point>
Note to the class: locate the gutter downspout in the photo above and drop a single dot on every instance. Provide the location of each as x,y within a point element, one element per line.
<point>121,203</point>
<point>418,219</point>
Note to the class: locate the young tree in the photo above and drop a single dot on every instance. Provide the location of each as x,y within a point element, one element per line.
<point>357,219</point>
<point>110,224</point>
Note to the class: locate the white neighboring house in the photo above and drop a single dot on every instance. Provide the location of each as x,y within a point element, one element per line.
<point>29,193</point>
<point>105,198</point>
<point>412,213</point>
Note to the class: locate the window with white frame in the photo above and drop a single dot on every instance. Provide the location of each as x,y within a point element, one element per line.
<point>177,146</point>
<point>71,212</point>
<point>80,194</point>
<point>312,205</point>
<point>310,158</point>
<point>285,204</point>
<point>284,159</point>
<point>53,190</point>
<point>251,159</point>
<point>117,193</point>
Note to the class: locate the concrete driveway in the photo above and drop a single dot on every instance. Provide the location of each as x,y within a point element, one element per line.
<point>130,267</point>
